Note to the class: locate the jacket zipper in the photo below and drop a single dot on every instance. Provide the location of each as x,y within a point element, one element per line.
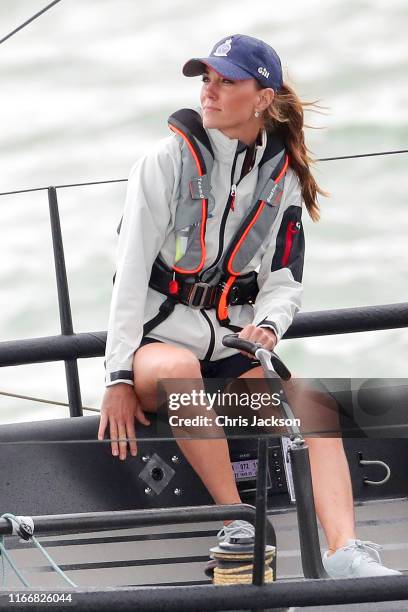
<point>210,350</point>
<point>292,229</point>
<point>229,206</point>
<point>232,197</point>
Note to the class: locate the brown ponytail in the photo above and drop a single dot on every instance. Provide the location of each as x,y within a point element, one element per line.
<point>285,116</point>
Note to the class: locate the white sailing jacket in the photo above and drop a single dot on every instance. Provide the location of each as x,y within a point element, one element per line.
<point>148,229</point>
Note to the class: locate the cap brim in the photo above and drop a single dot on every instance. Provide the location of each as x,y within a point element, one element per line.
<point>222,65</point>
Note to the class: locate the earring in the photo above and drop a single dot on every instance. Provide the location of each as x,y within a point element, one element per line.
<point>257,114</point>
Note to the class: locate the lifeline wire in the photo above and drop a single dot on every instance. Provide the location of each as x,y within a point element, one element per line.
<point>44,401</point>
<point>23,25</point>
<point>362,155</point>
<point>320,159</point>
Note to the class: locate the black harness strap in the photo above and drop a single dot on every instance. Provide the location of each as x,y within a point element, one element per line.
<point>200,294</point>
<point>165,311</point>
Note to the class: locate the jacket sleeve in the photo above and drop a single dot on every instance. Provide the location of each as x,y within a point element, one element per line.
<point>142,233</point>
<point>281,269</point>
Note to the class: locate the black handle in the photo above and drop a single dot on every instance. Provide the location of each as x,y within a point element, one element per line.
<point>232,341</point>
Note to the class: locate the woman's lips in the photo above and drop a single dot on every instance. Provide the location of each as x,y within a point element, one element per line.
<point>210,108</point>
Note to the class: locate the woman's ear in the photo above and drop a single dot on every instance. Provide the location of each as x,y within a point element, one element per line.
<point>266,97</point>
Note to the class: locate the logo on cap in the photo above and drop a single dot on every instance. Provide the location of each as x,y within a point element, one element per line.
<point>224,48</point>
<point>263,71</point>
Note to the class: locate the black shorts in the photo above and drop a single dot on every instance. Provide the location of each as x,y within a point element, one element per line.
<point>229,367</point>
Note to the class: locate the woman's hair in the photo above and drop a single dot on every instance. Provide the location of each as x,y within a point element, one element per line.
<point>285,116</point>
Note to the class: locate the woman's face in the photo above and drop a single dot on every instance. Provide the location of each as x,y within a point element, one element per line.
<point>230,106</point>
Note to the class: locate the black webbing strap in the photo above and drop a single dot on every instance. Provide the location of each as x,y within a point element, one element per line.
<point>165,311</point>
<point>196,295</point>
<point>199,294</point>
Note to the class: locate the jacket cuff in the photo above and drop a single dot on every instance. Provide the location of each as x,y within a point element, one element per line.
<point>119,376</point>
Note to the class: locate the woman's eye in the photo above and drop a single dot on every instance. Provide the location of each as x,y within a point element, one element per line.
<point>206,79</point>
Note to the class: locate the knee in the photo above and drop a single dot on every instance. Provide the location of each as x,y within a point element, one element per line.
<point>182,364</point>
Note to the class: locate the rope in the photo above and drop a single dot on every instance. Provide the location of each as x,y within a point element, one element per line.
<point>27,536</point>
<point>4,555</point>
<point>44,401</point>
<point>228,568</point>
<point>233,577</point>
<point>321,159</point>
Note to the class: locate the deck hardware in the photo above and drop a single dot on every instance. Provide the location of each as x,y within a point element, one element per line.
<point>157,474</point>
<point>375,483</point>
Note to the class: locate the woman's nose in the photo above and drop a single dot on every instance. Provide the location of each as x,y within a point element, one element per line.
<point>211,89</point>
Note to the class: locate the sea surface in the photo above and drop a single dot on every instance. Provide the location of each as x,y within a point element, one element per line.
<point>89,85</point>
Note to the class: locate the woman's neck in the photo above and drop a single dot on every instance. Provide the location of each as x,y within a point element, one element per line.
<point>247,134</point>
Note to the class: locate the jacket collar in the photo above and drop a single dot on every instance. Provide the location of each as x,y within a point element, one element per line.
<point>225,148</point>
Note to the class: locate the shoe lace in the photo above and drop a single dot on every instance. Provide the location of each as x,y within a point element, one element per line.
<point>368,550</point>
<point>234,529</point>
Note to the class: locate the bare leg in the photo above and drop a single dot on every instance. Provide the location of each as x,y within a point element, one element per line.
<point>208,457</point>
<point>332,490</point>
<point>330,472</point>
<point>211,460</point>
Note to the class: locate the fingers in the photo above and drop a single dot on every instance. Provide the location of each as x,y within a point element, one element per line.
<point>113,436</point>
<point>141,417</point>
<point>102,425</point>
<point>122,441</point>
<point>131,434</point>
<point>260,335</point>
<point>270,341</point>
<point>120,435</point>
<point>119,409</point>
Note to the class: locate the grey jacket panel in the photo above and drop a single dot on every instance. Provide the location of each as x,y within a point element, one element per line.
<point>148,228</point>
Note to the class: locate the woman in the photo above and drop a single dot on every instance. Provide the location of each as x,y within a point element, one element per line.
<point>186,275</point>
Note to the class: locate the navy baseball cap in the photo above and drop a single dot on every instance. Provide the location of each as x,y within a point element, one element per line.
<point>240,57</point>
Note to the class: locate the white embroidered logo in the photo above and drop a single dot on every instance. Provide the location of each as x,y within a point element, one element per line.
<point>200,187</point>
<point>263,71</point>
<point>224,48</point>
<point>270,196</point>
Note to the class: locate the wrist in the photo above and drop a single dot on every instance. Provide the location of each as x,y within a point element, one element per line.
<point>119,388</point>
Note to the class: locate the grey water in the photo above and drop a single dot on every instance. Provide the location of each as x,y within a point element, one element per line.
<point>88,87</point>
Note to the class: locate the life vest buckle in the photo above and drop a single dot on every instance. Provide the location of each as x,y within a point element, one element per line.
<point>198,295</point>
<point>234,295</point>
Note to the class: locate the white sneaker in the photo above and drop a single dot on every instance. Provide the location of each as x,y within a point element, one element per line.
<point>236,533</point>
<point>357,559</point>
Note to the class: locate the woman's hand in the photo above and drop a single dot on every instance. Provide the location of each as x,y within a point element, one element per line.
<point>261,335</point>
<point>119,408</point>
